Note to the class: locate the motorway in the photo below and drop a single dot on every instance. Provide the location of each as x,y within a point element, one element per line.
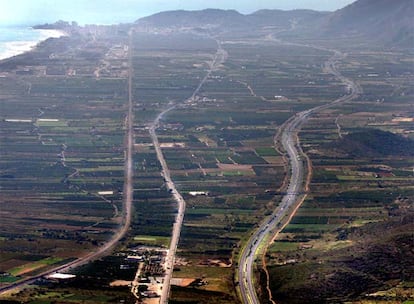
<point>295,191</point>
<point>127,200</point>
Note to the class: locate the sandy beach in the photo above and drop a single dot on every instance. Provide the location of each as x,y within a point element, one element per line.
<point>14,48</point>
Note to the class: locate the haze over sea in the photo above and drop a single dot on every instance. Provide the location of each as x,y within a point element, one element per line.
<point>19,39</point>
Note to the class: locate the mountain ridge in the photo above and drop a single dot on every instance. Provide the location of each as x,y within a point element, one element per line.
<point>375,21</point>
<point>389,22</point>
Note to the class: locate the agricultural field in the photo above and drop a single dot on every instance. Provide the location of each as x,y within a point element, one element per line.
<point>219,147</point>
<point>357,221</point>
<point>62,167</point>
<point>62,159</point>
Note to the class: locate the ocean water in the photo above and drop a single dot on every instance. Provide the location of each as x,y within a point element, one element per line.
<point>17,40</point>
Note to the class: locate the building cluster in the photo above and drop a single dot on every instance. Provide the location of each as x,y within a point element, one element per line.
<point>150,271</point>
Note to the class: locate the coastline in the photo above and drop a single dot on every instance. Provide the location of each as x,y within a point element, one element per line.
<point>14,48</point>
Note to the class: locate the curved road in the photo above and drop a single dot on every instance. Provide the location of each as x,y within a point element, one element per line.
<point>169,260</point>
<point>219,57</point>
<point>290,142</point>
<point>127,200</point>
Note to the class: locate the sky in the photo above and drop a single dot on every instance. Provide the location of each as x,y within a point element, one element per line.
<point>30,12</point>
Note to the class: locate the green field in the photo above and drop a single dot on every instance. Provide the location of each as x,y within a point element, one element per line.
<point>63,125</point>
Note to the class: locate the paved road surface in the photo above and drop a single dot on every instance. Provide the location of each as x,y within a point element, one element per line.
<point>295,189</point>
<point>169,264</point>
<point>169,260</point>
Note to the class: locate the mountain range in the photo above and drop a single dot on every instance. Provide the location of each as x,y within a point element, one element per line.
<point>386,22</point>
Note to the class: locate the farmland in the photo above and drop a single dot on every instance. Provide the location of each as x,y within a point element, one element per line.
<point>63,125</point>
<point>359,200</point>
<point>61,161</point>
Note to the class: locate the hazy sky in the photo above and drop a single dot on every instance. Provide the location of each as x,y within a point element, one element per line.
<point>29,12</point>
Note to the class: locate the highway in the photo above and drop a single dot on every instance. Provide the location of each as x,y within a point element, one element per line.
<point>127,200</point>
<point>288,136</point>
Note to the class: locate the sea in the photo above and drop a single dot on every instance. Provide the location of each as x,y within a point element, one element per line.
<point>19,39</point>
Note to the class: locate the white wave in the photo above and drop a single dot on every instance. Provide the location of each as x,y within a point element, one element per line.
<point>14,48</point>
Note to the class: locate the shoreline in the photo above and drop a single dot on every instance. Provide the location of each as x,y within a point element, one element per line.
<point>14,48</point>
